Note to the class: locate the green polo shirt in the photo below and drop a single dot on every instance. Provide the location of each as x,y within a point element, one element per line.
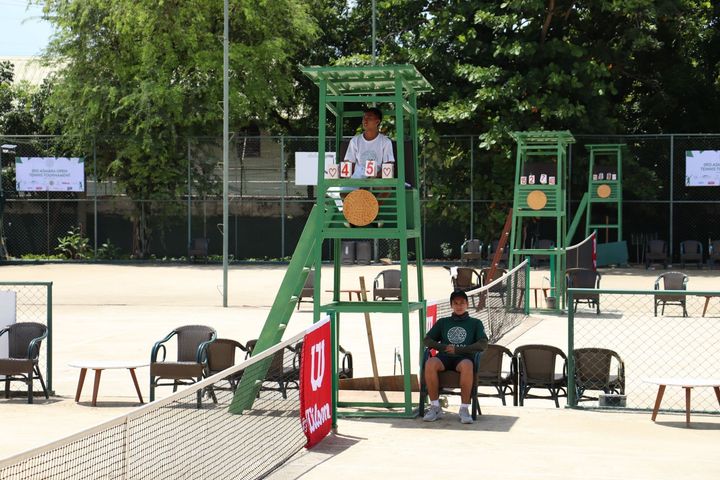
<point>467,334</point>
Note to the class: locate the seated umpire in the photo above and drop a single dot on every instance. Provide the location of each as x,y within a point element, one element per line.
<point>456,338</point>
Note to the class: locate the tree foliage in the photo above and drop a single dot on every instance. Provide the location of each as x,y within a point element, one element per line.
<point>148,73</point>
<point>593,66</point>
<point>141,76</point>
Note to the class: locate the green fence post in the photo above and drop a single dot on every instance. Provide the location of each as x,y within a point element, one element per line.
<point>553,279</point>
<point>189,197</point>
<point>95,197</point>
<point>283,194</point>
<point>572,401</point>
<point>48,374</point>
<point>527,286</point>
<point>333,366</point>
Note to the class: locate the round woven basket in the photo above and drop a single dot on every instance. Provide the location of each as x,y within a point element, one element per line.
<point>537,200</point>
<point>604,191</point>
<point>360,207</point>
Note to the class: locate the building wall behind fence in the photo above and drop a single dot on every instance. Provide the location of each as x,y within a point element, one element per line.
<point>268,210</point>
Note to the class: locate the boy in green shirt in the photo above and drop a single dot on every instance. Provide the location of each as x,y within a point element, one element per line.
<point>456,338</point>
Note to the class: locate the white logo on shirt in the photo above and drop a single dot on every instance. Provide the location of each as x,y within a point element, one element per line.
<point>457,335</point>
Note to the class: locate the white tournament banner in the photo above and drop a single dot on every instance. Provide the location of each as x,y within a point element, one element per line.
<point>306,167</point>
<point>702,168</point>
<point>49,174</point>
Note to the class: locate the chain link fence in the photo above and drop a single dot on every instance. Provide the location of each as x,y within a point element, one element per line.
<point>465,193</point>
<point>29,302</point>
<point>639,338</point>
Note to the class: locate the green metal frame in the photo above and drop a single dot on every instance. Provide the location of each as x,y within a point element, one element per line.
<point>399,218</point>
<point>552,145</point>
<point>344,91</point>
<point>605,150</point>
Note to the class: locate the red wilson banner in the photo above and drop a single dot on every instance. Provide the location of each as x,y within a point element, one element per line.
<point>316,383</point>
<point>430,315</point>
<point>430,319</point>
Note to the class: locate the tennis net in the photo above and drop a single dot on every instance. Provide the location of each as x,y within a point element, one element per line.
<point>178,438</point>
<point>582,254</point>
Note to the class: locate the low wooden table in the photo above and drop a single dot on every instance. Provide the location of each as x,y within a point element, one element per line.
<point>98,366</point>
<point>707,301</point>
<point>350,292</point>
<point>535,291</point>
<point>688,384</point>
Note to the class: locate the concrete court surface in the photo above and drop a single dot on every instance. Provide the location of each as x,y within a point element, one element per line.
<point>516,443</point>
<point>110,312</point>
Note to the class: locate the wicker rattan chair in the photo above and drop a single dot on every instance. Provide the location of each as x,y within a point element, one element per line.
<point>221,356</point>
<point>656,252</point>
<point>191,365</point>
<point>671,281</point>
<point>450,384</point>
<point>471,250</point>
<point>466,279</point>
<point>584,278</point>
<point>391,285</point>
<point>537,369</point>
<point>713,253</point>
<point>497,290</point>
<point>308,290</point>
<point>284,369</point>
<point>691,251</point>
<point>594,371</point>
<point>24,341</point>
<point>199,249</point>
<point>494,372</point>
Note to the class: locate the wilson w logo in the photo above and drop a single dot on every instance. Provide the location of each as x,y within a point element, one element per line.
<point>317,365</point>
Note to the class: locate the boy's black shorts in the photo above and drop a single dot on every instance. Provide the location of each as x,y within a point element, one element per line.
<point>450,362</point>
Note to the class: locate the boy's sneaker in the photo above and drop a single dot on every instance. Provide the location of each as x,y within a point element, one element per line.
<point>433,414</point>
<point>465,416</point>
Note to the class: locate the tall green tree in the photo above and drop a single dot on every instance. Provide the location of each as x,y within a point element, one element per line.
<point>592,66</point>
<point>139,77</point>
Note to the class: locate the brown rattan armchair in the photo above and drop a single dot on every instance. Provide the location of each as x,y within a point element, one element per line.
<point>537,369</point>
<point>584,278</point>
<point>191,365</point>
<point>496,371</point>
<point>713,253</point>
<point>391,285</point>
<point>691,251</point>
<point>543,244</point>
<point>308,290</point>
<point>284,369</point>
<point>199,249</point>
<point>656,252</point>
<point>24,341</point>
<point>471,250</point>
<point>221,356</point>
<point>346,365</point>
<point>493,248</point>
<point>497,290</point>
<point>594,371</point>
<point>671,281</point>
<point>466,279</point>
<point>450,384</point>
